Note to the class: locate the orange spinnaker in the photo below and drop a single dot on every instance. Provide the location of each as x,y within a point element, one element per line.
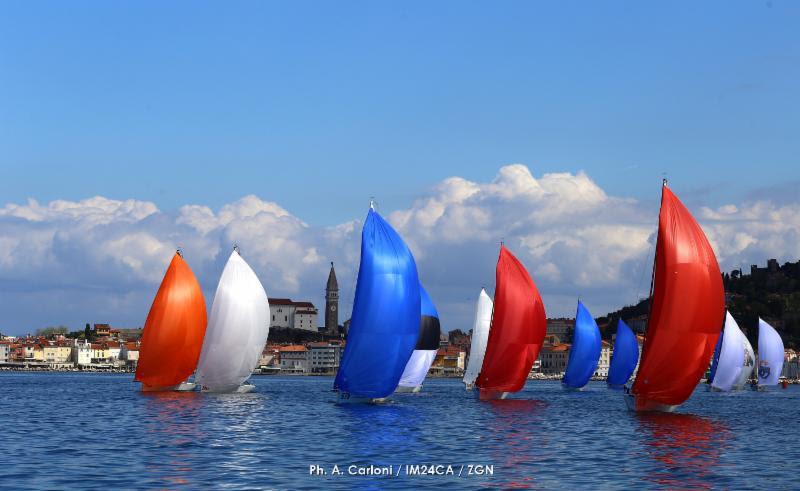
<point>174,330</point>
<point>687,310</point>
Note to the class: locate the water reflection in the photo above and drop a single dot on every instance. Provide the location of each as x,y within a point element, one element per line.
<point>516,421</point>
<point>686,448</point>
<point>170,421</point>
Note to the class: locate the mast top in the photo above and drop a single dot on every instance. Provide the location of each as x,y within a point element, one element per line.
<point>179,251</point>
<point>236,248</point>
<point>664,182</point>
<point>372,202</point>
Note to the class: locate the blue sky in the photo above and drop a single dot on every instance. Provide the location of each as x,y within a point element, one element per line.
<point>309,103</point>
<point>281,119</point>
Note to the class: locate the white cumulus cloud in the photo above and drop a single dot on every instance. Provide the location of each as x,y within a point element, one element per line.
<point>101,260</point>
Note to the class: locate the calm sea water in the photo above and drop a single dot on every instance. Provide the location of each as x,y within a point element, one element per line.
<point>96,431</point>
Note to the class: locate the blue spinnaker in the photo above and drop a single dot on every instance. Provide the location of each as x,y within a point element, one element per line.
<point>625,356</point>
<point>386,316</point>
<point>715,359</point>
<point>585,351</point>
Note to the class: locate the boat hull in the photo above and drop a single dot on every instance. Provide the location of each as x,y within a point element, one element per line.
<point>469,386</point>
<point>345,398</point>
<point>491,395</point>
<point>182,387</point>
<point>401,389</point>
<point>642,405</point>
<point>240,389</point>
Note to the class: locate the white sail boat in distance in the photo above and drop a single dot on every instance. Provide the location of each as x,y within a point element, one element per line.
<point>237,330</point>
<point>480,336</point>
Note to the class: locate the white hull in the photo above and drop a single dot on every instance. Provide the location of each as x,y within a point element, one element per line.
<point>407,390</point>
<point>182,387</point>
<point>469,386</point>
<point>242,389</point>
<point>644,405</point>
<point>491,395</point>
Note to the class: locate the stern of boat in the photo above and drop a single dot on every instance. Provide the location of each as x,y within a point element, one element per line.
<point>641,405</point>
<point>491,395</point>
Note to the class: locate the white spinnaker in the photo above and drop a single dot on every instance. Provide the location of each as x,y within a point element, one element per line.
<point>417,368</point>
<point>770,354</point>
<point>731,356</point>
<point>748,363</point>
<point>480,336</point>
<point>237,329</point>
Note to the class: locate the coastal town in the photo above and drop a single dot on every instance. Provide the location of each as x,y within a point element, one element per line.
<point>297,346</point>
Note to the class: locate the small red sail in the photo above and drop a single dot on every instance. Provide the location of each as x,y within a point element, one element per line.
<point>174,330</point>
<point>517,331</point>
<point>686,313</point>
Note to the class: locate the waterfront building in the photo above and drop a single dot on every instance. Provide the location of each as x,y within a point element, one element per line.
<point>324,357</point>
<point>82,353</point>
<point>286,313</point>
<point>270,357</point>
<point>605,360</point>
<point>554,358</point>
<point>114,348</point>
<point>57,355</point>
<point>100,353</point>
<point>294,359</point>
<point>129,354</point>
<point>5,351</point>
<point>332,303</point>
<point>449,361</point>
<point>33,351</point>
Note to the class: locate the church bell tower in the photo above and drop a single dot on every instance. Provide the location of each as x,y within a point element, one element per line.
<point>332,304</point>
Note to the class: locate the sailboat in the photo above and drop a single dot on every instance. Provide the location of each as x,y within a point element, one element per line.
<point>687,307</point>
<point>480,336</point>
<point>237,330</point>
<point>426,348</point>
<point>585,351</point>
<point>770,356</point>
<point>624,358</point>
<point>384,326</point>
<point>731,364</point>
<point>173,332</point>
<point>517,330</point>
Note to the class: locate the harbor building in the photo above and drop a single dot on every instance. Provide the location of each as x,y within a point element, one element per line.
<point>294,359</point>
<point>554,358</point>
<point>324,357</point>
<point>604,363</point>
<point>286,313</point>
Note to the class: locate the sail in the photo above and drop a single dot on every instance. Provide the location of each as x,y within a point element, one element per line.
<point>384,327</point>
<point>731,356</point>
<point>715,358</point>
<point>687,309</point>
<point>748,363</point>
<point>770,354</point>
<point>427,344</point>
<point>585,350</point>
<point>480,335</point>
<point>625,355</point>
<point>518,328</point>
<point>174,329</point>
<point>237,328</point>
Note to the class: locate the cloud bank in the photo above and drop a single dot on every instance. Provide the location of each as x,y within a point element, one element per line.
<point>101,260</point>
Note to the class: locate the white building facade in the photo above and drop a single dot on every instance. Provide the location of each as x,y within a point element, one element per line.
<point>286,313</point>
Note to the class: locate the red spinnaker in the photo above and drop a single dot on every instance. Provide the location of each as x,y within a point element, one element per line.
<point>518,328</point>
<point>687,309</point>
<point>174,330</point>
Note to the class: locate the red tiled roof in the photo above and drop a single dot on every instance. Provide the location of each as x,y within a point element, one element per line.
<point>293,348</point>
